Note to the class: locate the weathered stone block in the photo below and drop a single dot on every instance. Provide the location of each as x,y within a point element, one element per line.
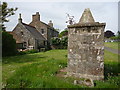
<point>86,48</point>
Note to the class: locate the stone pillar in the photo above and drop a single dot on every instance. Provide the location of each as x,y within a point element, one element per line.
<point>86,48</point>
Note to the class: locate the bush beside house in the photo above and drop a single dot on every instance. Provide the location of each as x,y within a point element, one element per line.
<point>8,45</point>
<point>59,43</point>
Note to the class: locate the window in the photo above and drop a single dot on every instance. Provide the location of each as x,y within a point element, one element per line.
<point>42,31</point>
<point>29,42</point>
<point>44,42</point>
<point>24,44</point>
<point>22,33</point>
<point>19,45</point>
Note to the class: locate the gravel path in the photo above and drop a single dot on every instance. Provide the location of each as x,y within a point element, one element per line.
<point>112,50</point>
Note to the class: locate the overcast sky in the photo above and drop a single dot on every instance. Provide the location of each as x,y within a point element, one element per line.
<point>56,11</point>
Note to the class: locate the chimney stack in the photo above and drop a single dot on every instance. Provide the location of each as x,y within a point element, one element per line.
<point>50,23</point>
<point>20,19</point>
<point>36,17</point>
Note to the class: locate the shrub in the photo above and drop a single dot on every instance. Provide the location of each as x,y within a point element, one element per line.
<point>63,33</point>
<point>32,51</point>
<point>56,41</point>
<point>60,43</point>
<point>64,43</point>
<point>27,52</point>
<point>8,45</point>
<point>22,53</point>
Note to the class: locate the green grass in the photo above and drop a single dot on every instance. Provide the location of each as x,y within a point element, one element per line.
<point>112,79</point>
<point>113,45</point>
<point>39,70</point>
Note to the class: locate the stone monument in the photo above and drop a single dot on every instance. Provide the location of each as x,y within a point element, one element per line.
<point>86,48</point>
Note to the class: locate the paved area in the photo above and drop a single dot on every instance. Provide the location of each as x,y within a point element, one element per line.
<point>112,50</point>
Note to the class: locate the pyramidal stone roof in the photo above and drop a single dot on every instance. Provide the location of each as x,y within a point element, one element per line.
<point>87,17</point>
<point>86,20</point>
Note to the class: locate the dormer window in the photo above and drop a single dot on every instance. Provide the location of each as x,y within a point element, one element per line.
<point>42,31</point>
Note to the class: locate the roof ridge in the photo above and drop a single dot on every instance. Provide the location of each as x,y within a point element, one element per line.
<point>28,25</point>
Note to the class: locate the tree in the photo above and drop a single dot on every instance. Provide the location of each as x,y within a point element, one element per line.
<point>63,33</point>
<point>8,43</point>
<point>60,43</point>
<point>64,42</point>
<point>109,34</point>
<point>118,34</point>
<point>55,41</point>
<point>5,13</point>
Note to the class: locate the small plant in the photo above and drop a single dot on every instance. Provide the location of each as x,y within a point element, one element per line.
<point>27,52</point>
<point>32,51</point>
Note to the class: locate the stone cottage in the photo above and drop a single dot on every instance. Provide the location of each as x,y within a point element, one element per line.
<point>35,35</point>
<point>86,48</point>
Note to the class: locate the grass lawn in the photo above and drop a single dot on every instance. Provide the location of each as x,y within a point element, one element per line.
<point>113,45</point>
<point>39,70</point>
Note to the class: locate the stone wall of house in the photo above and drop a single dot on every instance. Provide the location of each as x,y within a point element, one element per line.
<point>22,35</point>
<point>86,49</point>
<point>46,30</point>
<point>55,33</point>
<point>37,34</point>
<point>42,28</point>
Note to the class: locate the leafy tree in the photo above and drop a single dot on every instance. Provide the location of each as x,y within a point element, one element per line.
<point>114,38</point>
<point>64,42</point>
<point>60,43</point>
<point>56,41</point>
<point>118,34</point>
<point>5,13</point>
<point>8,44</point>
<point>109,34</point>
<point>63,33</point>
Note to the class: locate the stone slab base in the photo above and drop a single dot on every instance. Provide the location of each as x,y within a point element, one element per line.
<point>78,75</point>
